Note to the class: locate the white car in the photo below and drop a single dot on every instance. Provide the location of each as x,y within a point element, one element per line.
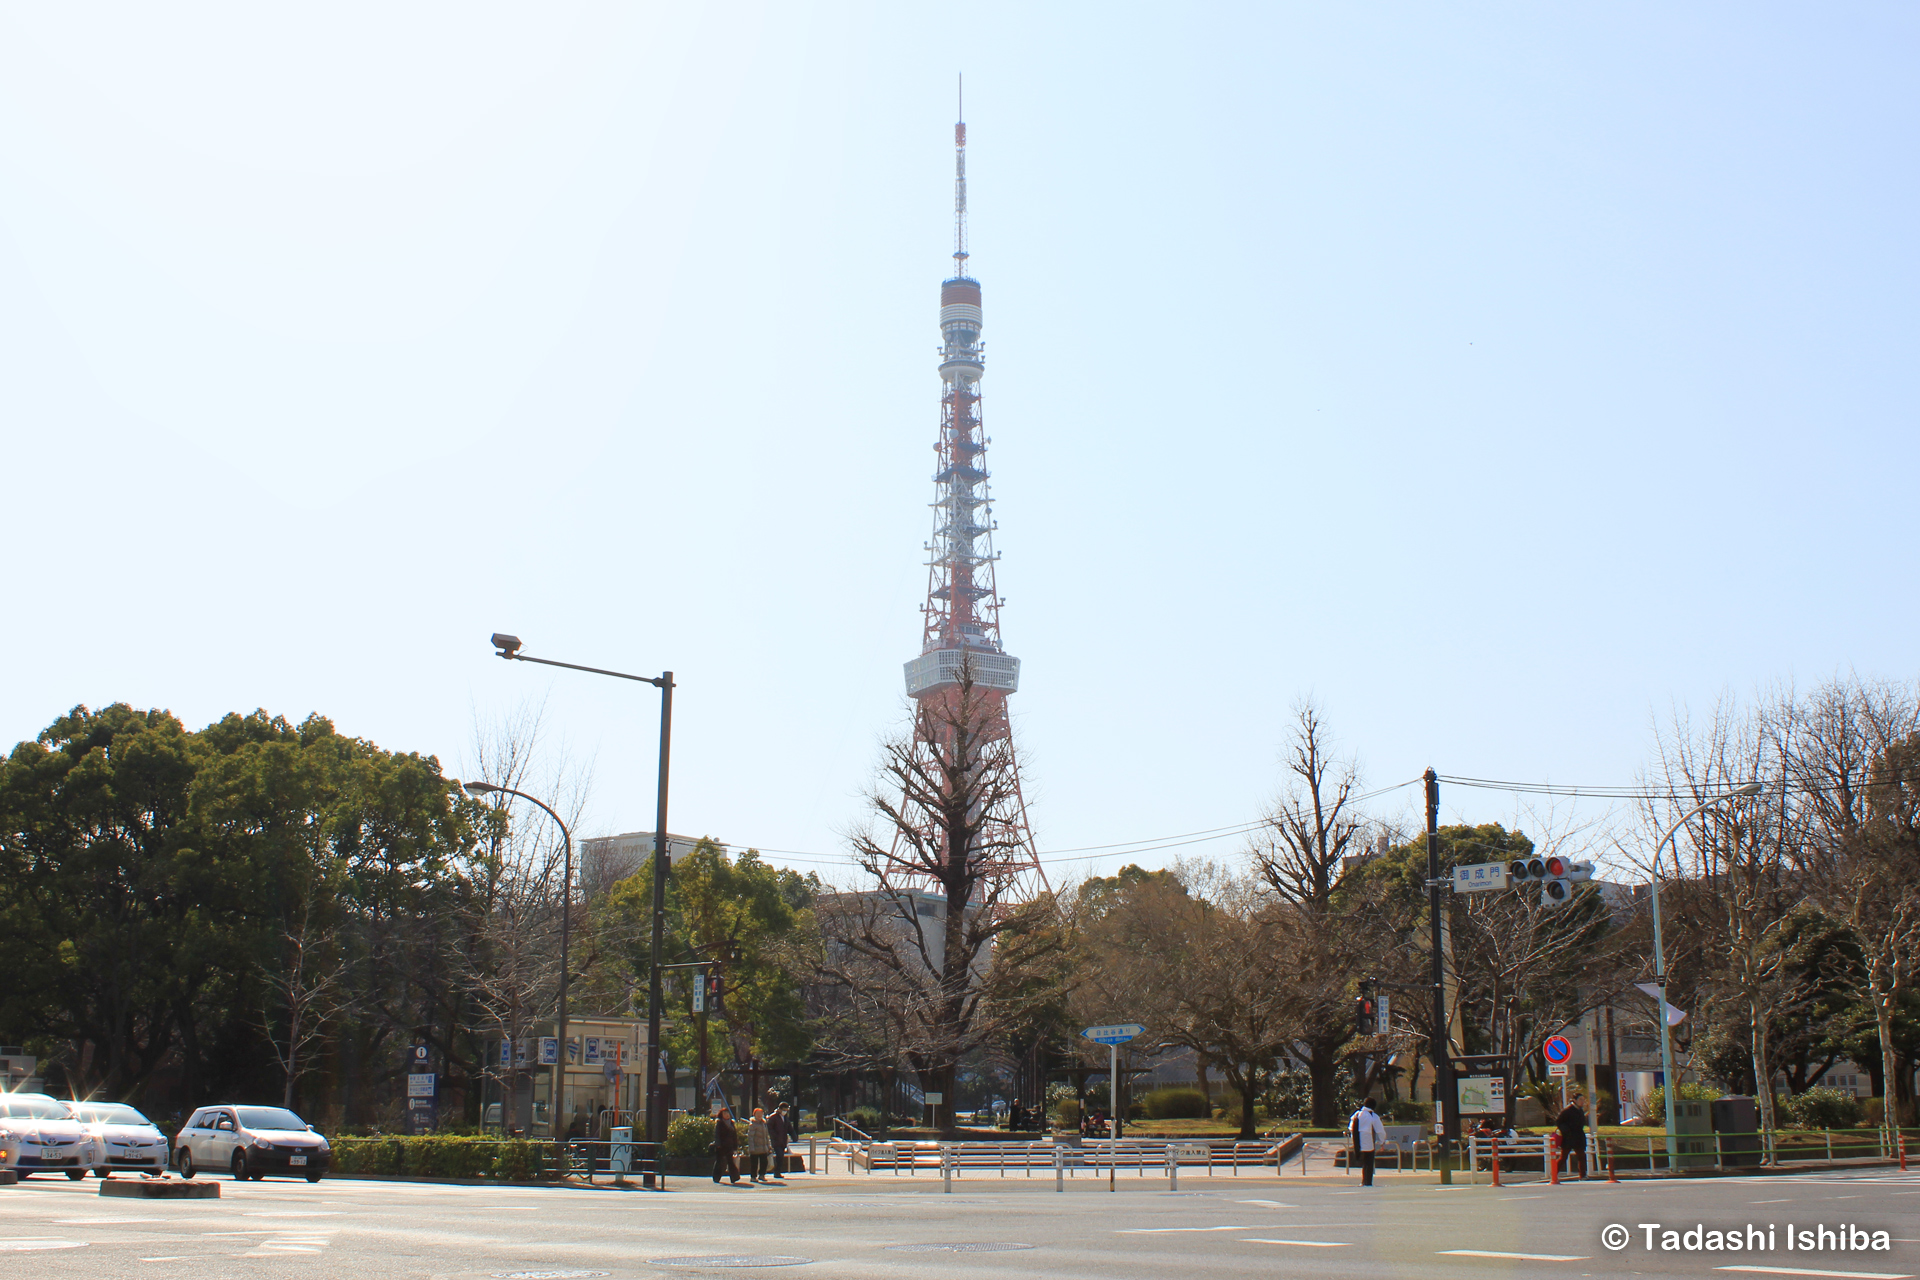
<point>250,1142</point>
<point>123,1138</point>
<point>39,1135</point>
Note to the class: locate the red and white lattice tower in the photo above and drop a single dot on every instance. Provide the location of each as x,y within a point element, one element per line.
<point>962,612</point>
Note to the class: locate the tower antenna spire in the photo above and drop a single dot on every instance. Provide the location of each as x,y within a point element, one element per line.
<point>960,182</point>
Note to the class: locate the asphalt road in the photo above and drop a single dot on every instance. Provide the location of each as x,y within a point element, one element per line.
<point>883,1226</point>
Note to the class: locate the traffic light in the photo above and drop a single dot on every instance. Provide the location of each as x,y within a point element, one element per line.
<point>1365,1023</point>
<point>1562,874</point>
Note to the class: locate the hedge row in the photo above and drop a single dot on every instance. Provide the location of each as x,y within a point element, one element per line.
<point>445,1156</point>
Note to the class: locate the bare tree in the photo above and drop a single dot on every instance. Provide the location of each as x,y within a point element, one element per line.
<point>1732,877</point>
<point>935,951</point>
<point>303,992</point>
<point>506,948</point>
<point>1853,760</point>
<point>1299,852</point>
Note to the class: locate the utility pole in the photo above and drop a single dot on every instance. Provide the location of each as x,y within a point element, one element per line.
<point>1447,1103</point>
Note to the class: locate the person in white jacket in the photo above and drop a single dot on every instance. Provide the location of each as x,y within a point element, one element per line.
<point>1368,1135</point>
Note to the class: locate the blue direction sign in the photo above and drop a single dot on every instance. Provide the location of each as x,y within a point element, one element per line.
<point>1119,1033</point>
<point>1558,1049</point>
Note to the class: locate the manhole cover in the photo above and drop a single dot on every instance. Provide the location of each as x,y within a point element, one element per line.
<point>723,1261</point>
<point>967,1246</point>
<point>545,1275</point>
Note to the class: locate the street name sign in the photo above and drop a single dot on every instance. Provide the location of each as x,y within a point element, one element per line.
<point>1480,876</point>
<point>1119,1033</point>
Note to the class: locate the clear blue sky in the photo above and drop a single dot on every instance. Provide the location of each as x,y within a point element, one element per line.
<point>1500,376</point>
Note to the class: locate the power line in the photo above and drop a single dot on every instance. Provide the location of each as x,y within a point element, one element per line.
<point>1120,849</point>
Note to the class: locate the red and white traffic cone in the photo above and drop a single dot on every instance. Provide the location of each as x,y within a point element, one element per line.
<point>1496,1162</point>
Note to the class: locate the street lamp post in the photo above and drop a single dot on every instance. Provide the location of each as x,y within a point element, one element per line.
<point>509,647</point>
<point>1660,964</point>
<point>566,919</point>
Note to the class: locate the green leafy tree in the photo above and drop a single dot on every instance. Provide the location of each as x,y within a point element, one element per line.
<point>753,922</point>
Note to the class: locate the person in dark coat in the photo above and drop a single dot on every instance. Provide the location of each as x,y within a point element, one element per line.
<point>780,1131</point>
<point>726,1141</point>
<point>1572,1124</point>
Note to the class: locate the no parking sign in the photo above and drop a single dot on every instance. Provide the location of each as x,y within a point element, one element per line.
<point>1559,1050</point>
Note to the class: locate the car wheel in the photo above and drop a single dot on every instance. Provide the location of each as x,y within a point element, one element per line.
<point>313,1176</point>
<point>239,1169</point>
<point>185,1163</point>
<point>77,1174</point>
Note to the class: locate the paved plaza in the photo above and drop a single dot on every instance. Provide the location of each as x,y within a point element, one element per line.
<point>882,1226</point>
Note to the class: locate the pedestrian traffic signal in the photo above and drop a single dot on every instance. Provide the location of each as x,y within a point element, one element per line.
<point>1364,1022</point>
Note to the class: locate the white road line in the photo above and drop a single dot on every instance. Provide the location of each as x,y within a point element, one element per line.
<point>1164,1231</point>
<point>99,1222</point>
<point>1305,1244</point>
<point>1788,1200</point>
<point>1801,1271</point>
<point>25,1244</point>
<point>1265,1204</point>
<point>1525,1257</point>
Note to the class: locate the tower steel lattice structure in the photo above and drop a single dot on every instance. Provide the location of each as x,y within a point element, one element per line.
<point>961,618</point>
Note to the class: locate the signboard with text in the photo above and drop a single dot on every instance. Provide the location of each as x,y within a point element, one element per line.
<point>1480,876</point>
<point>1482,1095</point>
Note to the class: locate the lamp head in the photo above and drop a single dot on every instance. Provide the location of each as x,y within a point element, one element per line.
<point>480,788</point>
<point>1750,789</point>
<point>506,644</point>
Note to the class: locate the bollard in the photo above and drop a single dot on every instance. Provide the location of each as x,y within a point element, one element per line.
<point>1611,1175</point>
<point>1550,1150</point>
<point>1496,1162</point>
<point>1903,1153</point>
<point>1173,1171</point>
<point>1059,1171</point>
<point>946,1170</point>
<point>811,1140</point>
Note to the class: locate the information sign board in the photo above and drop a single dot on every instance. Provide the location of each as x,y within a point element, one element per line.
<point>1558,1068</point>
<point>1482,1095</point>
<point>1118,1033</point>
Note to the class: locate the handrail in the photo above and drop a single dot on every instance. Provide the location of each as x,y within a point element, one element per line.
<point>840,1123</point>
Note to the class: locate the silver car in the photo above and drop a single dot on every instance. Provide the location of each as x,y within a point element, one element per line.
<point>250,1142</point>
<point>123,1138</point>
<point>39,1135</point>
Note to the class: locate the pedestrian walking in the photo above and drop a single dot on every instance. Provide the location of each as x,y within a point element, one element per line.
<point>759,1146</point>
<point>780,1130</point>
<point>726,1141</point>
<point>1572,1124</point>
<point>1369,1135</point>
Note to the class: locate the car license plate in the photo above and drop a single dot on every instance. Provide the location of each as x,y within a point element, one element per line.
<point>296,1159</point>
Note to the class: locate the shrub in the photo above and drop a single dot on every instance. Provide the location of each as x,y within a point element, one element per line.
<point>1403,1112</point>
<point>865,1119</point>
<point>1176,1103</point>
<point>1822,1108</point>
<point>1873,1111</point>
<point>442,1156</point>
<point>1067,1113</point>
<point>691,1136</point>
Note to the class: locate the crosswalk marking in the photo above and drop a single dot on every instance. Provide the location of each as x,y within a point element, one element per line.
<point>1805,1271</point>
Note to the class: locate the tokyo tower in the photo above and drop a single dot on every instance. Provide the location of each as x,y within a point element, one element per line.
<point>961,618</point>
